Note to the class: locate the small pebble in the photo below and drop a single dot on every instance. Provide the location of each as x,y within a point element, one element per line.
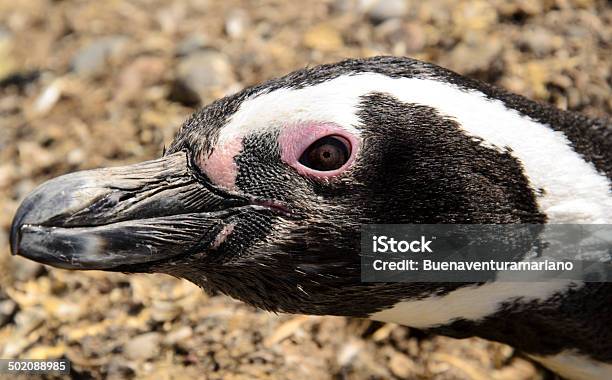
<point>178,335</point>
<point>29,319</point>
<point>24,269</point>
<point>539,40</point>
<point>401,366</point>
<point>93,58</point>
<point>143,347</point>
<point>323,37</point>
<point>237,23</point>
<point>7,63</point>
<point>474,55</point>
<point>192,44</point>
<point>382,10</point>
<point>48,97</point>
<point>201,73</point>
<point>7,309</point>
<point>165,310</point>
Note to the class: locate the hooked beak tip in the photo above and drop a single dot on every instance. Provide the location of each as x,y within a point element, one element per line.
<point>16,225</point>
<point>15,238</point>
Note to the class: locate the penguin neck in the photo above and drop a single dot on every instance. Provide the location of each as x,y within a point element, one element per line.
<point>585,168</point>
<point>566,156</point>
<point>591,137</point>
<point>568,179</point>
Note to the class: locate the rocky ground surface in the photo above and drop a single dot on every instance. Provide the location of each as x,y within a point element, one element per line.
<point>85,84</point>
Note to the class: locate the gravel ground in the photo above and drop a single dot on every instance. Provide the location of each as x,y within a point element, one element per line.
<point>85,84</point>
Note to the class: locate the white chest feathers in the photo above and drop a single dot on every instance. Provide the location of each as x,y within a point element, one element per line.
<point>476,302</point>
<point>576,367</point>
<point>471,303</point>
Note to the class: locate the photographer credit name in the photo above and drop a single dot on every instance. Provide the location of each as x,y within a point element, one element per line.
<point>384,244</point>
<point>491,265</point>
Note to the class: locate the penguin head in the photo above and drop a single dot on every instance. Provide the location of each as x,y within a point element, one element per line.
<point>262,194</point>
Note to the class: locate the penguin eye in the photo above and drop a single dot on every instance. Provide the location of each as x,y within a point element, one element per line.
<point>318,150</point>
<point>327,153</point>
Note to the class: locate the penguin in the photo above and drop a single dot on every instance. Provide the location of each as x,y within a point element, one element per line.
<point>262,194</point>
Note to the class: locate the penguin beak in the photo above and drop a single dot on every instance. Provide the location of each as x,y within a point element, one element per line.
<point>121,219</point>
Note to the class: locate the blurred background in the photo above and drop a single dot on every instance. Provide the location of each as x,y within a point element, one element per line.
<point>85,84</point>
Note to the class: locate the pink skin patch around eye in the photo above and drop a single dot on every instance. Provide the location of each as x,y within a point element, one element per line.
<point>220,166</point>
<point>294,140</point>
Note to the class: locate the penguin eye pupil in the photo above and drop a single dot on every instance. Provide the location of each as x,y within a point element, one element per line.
<point>327,153</point>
